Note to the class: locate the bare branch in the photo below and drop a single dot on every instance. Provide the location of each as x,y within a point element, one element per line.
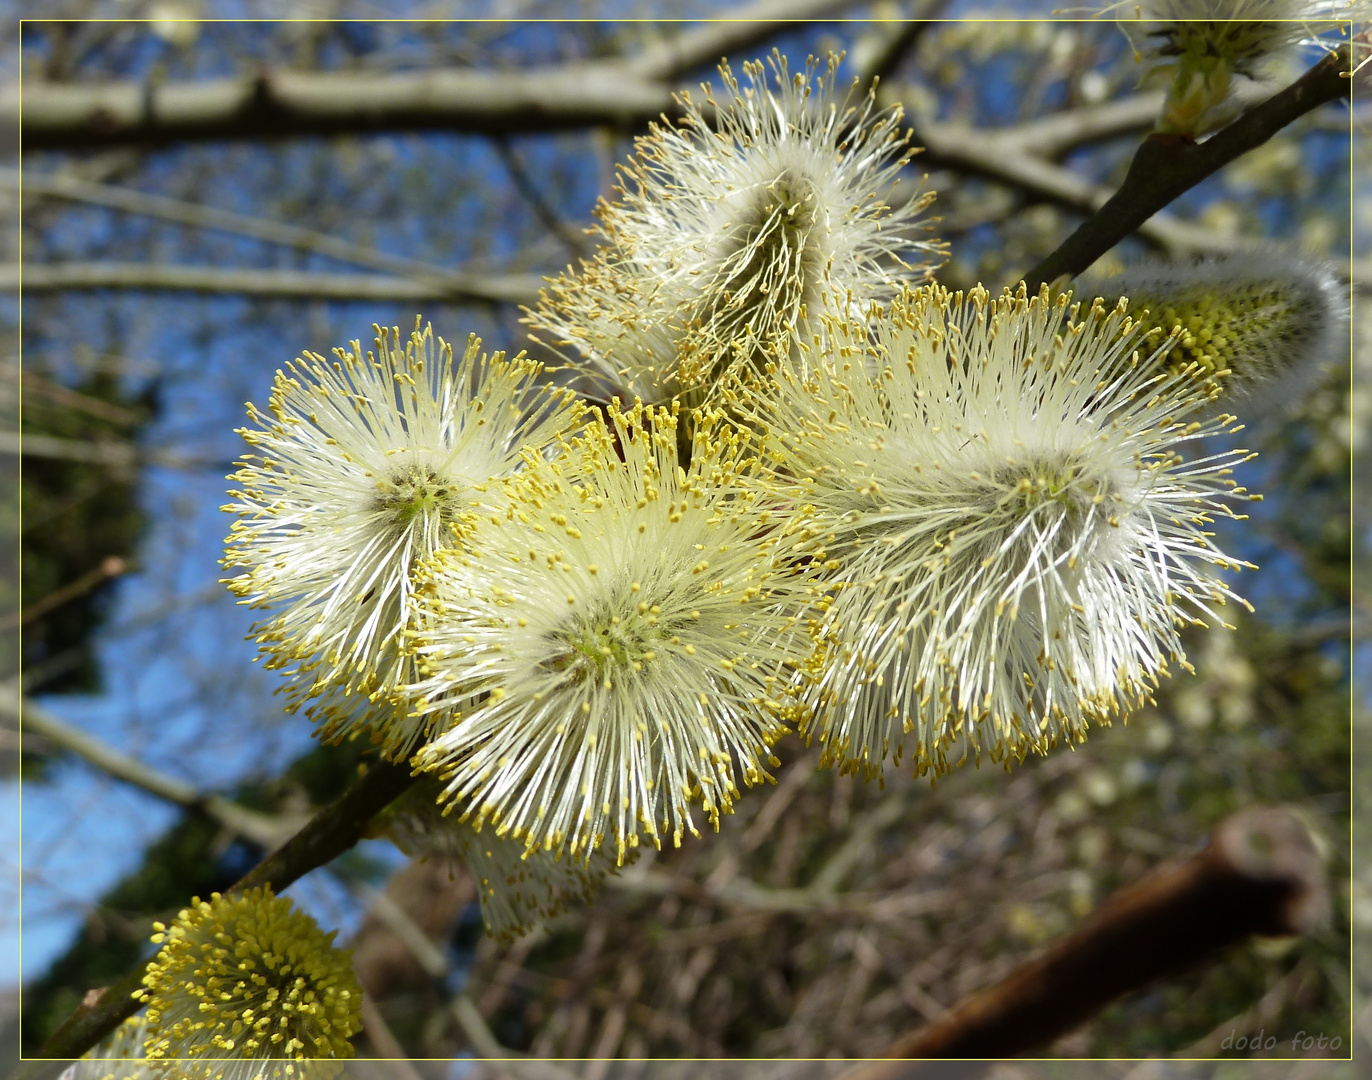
<point>1054,135</point>
<point>743,30</point>
<point>61,186</point>
<point>112,566</point>
<point>277,103</point>
<point>36,386</point>
<point>572,238</point>
<point>898,43</point>
<point>1260,874</point>
<point>107,453</point>
<point>278,284</point>
<point>1009,159</point>
<point>264,829</point>
<point>1166,166</point>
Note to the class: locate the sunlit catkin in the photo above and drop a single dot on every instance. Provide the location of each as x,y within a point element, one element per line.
<point>1012,534</point>
<point>620,651</point>
<point>731,228</point>
<point>1263,318</point>
<point>361,466</point>
<point>244,985</point>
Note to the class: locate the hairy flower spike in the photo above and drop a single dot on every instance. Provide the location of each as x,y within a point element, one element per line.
<point>1258,316</point>
<point>1012,532</point>
<point>730,233</point>
<point>620,651</point>
<point>365,465</point>
<point>243,986</point>
<point>518,888</point>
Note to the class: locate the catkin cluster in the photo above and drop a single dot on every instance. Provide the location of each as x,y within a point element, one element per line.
<point>806,491</point>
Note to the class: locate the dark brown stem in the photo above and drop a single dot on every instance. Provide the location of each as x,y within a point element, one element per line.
<point>1260,874</point>
<point>327,835</point>
<point>1166,166</point>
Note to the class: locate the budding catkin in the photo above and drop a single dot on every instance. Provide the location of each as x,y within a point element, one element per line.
<point>1262,316</point>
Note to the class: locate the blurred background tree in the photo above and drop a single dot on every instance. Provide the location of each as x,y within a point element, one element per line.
<point>170,267</point>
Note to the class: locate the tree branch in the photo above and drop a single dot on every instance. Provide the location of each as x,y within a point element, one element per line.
<point>1018,158</point>
<point>1166,166</point>
<point>328,834</point>
<point>1053,135</point>
<point>1260,874</point>
<point>744,29</point>
<point>278,284</point>
<point>277,103</point>
<point>571,238</point>
<point>59,186</point>
<point>108,453</point>
<point>895,44</point>
<point>110,567</point>
<point>266,830</point>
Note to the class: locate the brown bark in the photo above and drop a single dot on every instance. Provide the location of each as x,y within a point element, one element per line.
<point>1260,874</point>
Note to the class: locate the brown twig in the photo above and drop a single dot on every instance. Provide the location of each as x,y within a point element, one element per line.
<point>328,834</point>
<point>1260,874</point>
<point>1166,166</point>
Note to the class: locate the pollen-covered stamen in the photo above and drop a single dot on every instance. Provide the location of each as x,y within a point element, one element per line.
<point>757,295</point>
<point>1012,534</point>
<point>606,646</point>
<point>766,276</point>
<point>1065,491</point>
<point>416,491</point>
<point>733,231</point>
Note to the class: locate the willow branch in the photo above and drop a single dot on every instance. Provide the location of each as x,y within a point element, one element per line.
<point>264,829</point>
<point>328,834</point>
<point>109,568</point>
<point>571,238</point>
<point>743,30</point>
<point>277,103</point>
<point>1166,166</point>
<point>271,284</point>
<point>107,453</point>
<point>1260,874</point>
<point>1007,160</point>
<point>60,186</point>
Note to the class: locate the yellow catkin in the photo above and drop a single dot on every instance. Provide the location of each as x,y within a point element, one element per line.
<point>246,980</point>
